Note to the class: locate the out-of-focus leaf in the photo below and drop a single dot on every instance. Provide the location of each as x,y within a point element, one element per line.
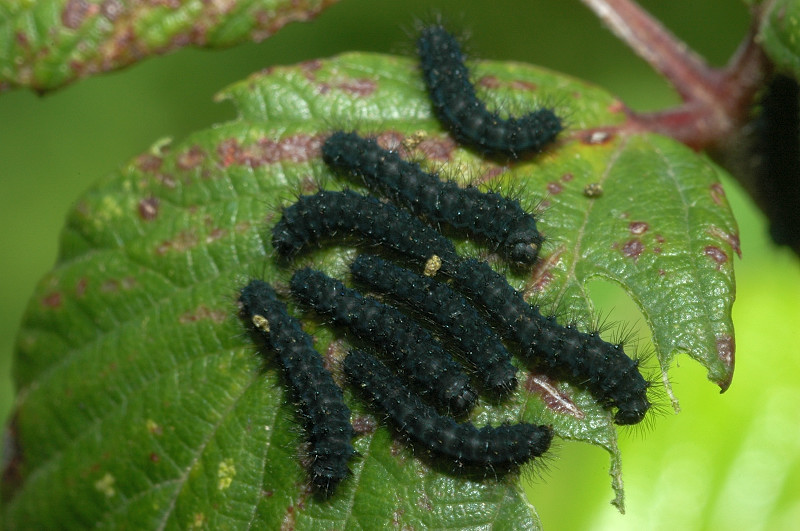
<point>778,33</point>
<point>142,401</point>
<point>49,43</point>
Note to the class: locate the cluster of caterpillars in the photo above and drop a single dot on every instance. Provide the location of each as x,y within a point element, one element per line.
<point>465,302</point>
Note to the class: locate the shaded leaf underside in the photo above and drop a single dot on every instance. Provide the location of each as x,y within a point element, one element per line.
<point>142,402</point>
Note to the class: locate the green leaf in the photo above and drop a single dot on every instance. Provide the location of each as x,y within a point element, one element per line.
<point>50,43</point>
<point>143,402</point>
<point>778,31</point>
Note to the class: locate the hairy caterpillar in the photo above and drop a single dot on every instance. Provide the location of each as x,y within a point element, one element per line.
<point>464,115</point>
<point>437,302</point>
<point>326,418</point>
<point>499,447</point>
<point>499,220</point>
<point>562,351</point>
<point>330,215</point>
<point>422,360</point>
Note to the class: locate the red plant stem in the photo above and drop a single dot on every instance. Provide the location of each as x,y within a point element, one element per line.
<point>716,100</point>
<point>646,36</point>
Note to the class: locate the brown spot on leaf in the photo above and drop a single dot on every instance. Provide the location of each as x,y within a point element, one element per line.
<point>295,148</point>
<point>524,85</point>
<point>616,106</point>
<point>718,193</point>
<point>119,46</point>
<point>337,350</point>
<point>657,250</point>
<point>180,243</point>
<point>148,162</point>
<point>716,254</point>
<point>75,12</point>
<point>397,517</point>
<point>216,234</point>
<point>554,188</point>
<point>288,522</point>
<point>553,398</point>
<point>364,424</point>
<point>309,68</point>
<point>154,457</point>
<point>633,248</point>
<point>165,3</point>
<point>13,459</point>
<point>542,275</point>
<point>202,313</point>
<point>148,208</point>
<point>726,351</point>
<point>80,287</point>
<point>489,82</point>
<point>361,87</point>
<point>167,180</point>
<point>52,300</point>
<point>638,227</point>
<point>490,172</point>
<point>22,39</point>
<point>111,9</point>
<point>392,140</point>
<point>731,239</point>
<point>191,158</point>
<point>425,502</point>
<point>567,177</point>
<point>659,238</point>
<point>396,449</point>
<point>437,148</point>
<point>228,151</point>
<point>308,185</point>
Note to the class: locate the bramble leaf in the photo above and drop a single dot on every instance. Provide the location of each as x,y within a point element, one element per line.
<point>142,400</point>
<point>777,33</point>
<point>50,43</point>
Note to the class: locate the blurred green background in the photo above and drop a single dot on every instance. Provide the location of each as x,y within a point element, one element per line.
<point>727,461</point>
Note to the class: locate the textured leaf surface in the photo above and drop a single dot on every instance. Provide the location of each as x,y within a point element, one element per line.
<point>49,43</point>
<point>143,403</point>
<point>778,33</point>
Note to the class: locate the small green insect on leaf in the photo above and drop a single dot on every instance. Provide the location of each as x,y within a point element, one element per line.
<point>142,401</point>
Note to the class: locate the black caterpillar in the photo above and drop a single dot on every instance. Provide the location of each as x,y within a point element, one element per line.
<point>422,360</point>
<point>499,220</point>
<point>583,359</point>
<point>502,447</point>
<point>459,109</point>
<point>330,215</point>
<point>434,300</point>
<point>562,351</point>
<point>326,418</point>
